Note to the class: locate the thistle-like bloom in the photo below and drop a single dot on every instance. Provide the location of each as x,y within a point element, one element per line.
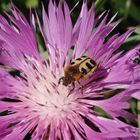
<point>33,104</point>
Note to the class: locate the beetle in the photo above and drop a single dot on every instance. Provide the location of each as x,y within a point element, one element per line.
<point>78,69</point>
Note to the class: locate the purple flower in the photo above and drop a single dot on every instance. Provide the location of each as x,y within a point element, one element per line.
<point>131,61</point>
<point>32,103</point>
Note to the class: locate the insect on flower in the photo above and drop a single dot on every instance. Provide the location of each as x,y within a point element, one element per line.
<point>78,69</point>
<point>29,81</point>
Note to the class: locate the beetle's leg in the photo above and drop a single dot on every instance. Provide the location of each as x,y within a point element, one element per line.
<point>60,80</point>
<point>73,86</point>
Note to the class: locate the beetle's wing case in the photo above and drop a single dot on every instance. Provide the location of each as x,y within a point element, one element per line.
<point>87,67</point>
<point>78,61</point>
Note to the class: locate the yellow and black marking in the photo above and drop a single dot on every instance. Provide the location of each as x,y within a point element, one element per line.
<point>80,60</point>
<point>86,65</point>
<point>78,69</point>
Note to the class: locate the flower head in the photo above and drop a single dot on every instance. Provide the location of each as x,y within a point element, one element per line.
<point>32,103</point>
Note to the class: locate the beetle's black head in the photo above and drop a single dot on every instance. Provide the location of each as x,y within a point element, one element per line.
<point>66,80</point>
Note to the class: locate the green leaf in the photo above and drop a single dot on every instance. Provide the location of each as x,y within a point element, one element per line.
<point>133,104</point>
<point>4,6</point>
<point>134,38</point>
<point>137,30</point>
<point>102,113</point>
<point>31,3</point>
<point>134,12</point>
<point>40,44</point>
<point>44,55</point>
<point>99,4</point>
<point>127,8</point>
